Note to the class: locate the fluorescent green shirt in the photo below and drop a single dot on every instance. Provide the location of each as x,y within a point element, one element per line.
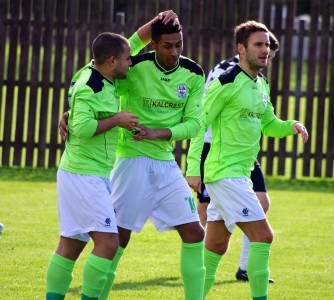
<point>162,99</point>
<point>92,97</point>
<point>238,108</point>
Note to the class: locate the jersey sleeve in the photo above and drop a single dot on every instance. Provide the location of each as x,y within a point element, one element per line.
<point>136,44</point>
<point>213,105</point>
<point>275,127</point>
<point>191,120</point>
<point>83,119</point>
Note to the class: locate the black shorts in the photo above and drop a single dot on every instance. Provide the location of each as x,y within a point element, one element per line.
<point>204,196</point>
<point>259,185</point>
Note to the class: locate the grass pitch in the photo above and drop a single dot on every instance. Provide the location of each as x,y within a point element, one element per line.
<point>301,262</point>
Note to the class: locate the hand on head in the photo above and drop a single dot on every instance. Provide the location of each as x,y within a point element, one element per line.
<point>168,16</point>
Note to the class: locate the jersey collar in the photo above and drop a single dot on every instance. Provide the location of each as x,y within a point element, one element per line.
<point>98,72</point>
<point>163,70</point>
<point>251,77</point>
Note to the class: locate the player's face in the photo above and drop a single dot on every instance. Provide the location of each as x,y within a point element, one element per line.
<point>168,49</point>
<point>256,53</point>
<point>122,63</point>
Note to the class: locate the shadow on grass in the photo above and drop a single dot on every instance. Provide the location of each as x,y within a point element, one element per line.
<point>142,285</point>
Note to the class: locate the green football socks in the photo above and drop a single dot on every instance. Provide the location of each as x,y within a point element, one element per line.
<point>58,277</point>
<point>211,263</point>
<point>112,274</point>
<point>192,270</point>
<point>257,269</point>
<point>95,274</point>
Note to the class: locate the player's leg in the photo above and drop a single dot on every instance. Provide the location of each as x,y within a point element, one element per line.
<point>124,238</point>
<point>131,196</point>
<point>234,201</point>
<point>61,264</point>
<point>259,186</point>
<point>59,271</point>
<point>261,237</point>
<point>104,235</point>
<point>216,244</point>
<point>175,209</point>
<point>191,260</point>
<point>98,264</point>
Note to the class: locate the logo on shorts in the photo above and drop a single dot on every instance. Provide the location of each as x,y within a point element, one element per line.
<point>191,204</point>
<point>245,212</point>
<point>107,221</point>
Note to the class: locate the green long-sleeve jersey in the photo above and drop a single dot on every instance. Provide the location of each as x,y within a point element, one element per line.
<point>238,108</point>
<point>162,99</point>
<point>92,97</point>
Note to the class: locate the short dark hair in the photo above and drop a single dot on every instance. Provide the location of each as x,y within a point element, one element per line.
<point>159,28</point>
<point>244,30</point>
<point>107,44</point>
<point>274,44</point>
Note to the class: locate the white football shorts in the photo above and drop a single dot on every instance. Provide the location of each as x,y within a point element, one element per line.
<point>144,188</point>
<point>84,205</point>
<point>233,200</point>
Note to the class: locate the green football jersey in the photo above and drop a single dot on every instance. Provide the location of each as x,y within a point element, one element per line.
<point>162,99</point>
<point>238,108</point>
<point>92,97</point>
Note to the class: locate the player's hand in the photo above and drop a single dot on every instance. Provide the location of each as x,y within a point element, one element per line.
<point>195,183</point>
<point>142,132</point>
<point>127,120</point>
<point>63,128</point>
<point>299,128</point>
<point>168,16</point>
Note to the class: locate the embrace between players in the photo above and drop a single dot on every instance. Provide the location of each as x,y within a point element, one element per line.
<point>126,110</point>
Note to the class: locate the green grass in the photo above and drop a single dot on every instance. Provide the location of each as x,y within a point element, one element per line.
<point>301,263</point>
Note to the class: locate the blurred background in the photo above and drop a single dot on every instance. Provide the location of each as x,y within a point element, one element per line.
<point>44,42</point>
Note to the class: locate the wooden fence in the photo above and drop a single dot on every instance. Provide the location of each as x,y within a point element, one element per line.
<point>43,42</point>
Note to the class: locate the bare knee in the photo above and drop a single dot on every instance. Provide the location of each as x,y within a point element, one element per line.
<point>70,248</point>
<point>218,247</point>
<point>105,244</point>
<point>191,232</point>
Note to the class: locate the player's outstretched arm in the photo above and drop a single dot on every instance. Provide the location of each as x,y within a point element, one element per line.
<point>299,128</point>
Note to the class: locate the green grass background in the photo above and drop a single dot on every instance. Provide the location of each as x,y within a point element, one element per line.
<point>301,214</point>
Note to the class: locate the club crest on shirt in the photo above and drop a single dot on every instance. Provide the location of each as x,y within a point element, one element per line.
<point>264,99</point>
<point>182,90</point>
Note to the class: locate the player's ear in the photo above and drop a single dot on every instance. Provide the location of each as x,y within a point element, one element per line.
<point>240,48</point>
<point>154,44</point>
<point>111,60</point>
